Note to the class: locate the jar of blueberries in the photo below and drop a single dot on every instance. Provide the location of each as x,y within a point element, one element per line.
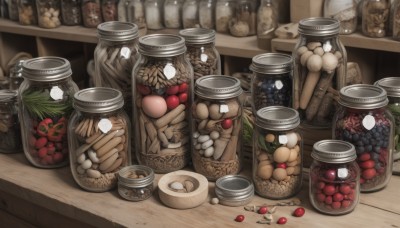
<point>364,121</point>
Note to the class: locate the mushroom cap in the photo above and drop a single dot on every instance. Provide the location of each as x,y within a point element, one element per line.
<point>314,63</point>
<point>329,62</point>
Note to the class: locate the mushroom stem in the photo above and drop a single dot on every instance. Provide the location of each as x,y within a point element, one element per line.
<point>309,85</point>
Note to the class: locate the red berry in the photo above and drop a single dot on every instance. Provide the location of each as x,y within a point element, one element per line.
<point>346,203</point>
<point>262,210</point>
<point>345,189</point>
<point>226,123</point>
<point>328,200</point>
<point>362,180</point>
<point>183,87</point>
<point>320,197</point>
<point>299,212</point>
<point>172,90</point>
<point>329,189</point>
<point>367,164</point>
<point>281,165</point>
<point>183,97</point>
<point>239,218</point>
<point>172,102</point>
<point>49,160</point>
<point>144,90</point>
<point>330,174</point>
<point>58,157</point>
<point>364,157</point>
<point>321,185</point>
<point>337,197</point>
<point>40,142</point>
<point>368,174</point>
<point>336,205</point>
<point>42,152</point>
<point>282,220</point>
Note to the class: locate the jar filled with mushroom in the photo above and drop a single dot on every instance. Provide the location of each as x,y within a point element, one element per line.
<point>49,15</point>
<point>375,18</point>
<point>319,71</point>
<point>27,12</point>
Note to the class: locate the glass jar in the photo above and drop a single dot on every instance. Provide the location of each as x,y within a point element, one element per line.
<point>364,121</point>
<point>392,87</point>
<point>207,14</point>
<point>114,57</point>
<point>217,126</point>
<point>135,13</point>
<point>27,12</point>
<point>162,99</point>
<point>172,13</point>
<point>98,138</point>
<point>224,12</point>
<point>277,153</point>
<point>396,20</point>
<point>135,183</point>
<point>234,190</point>
<point>123,10</point>
<point>48,13</point>
<point>16,75</point>
<point>190,14</point>
<point>343,10</point>
<point>153,14</point>
<point>91,14</point>
<point>271,83</point>
<point>45,104</point>
<point>201,51</point>
<point>245,21</point>
<point>375,18</point>
<point>13,10</point>
<point>267,20</point>
<point>320,61</point>
<point>10,134</point>
<point>71,12</point>
<point>334,177</point>
<point>109,10</point>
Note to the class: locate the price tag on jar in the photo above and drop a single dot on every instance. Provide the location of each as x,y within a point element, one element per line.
<point>203,57</point>
<point>223,108</point>
<point>169,71</point>
<point>282,139</point>
<point>368,122</point>
<point>56,93</point>
<point>342,173</point>
<point>105,125</point>
<point>278,84</point>
<point>125,52</point>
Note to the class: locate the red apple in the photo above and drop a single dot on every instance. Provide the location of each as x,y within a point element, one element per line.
<point>172,101</point>
<point>226,123</point>
<point>172,90</point>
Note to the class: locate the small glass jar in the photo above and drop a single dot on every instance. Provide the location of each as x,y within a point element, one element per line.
<point>217,126</point>
<point>271,83</point>
<point>71,13</point>
<point>334,177</point>
<point>224,12</point>
<point>135,13</point>
<point>267,21</point>
<point>277,153</point>
<point>153,14</point>
<point>10,134</point>
<point>135,183</point>
<point>48,13</point>
<point>173,13</point>
<point>16,75</point>
<point>162,101</point>
<point>123,10</point>
<point>245,21</point>
<point>91,13</point>
<point>109,10</point>
<point>190,14</point>
<point>45,105</point>
<point>98,138</point>
<point>364,121</point>
<point>207,14</point>
<point>234,190</point>
<point>13,10</point>
<point>27,12</point>
<point>375,18</point>
<point>396,20</point>
<point>319,64</point>
<point>392,87</point>
<point>343,10</point>
<point>201,51</point>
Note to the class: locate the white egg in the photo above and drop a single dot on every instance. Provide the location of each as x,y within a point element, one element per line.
<point>291,140</point>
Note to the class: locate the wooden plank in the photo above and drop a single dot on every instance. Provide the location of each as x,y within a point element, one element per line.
<point>9,220</point>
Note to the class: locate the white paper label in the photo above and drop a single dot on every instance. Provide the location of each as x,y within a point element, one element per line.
<point>56,93</point>
<point>104,125</point>
<point>368,122</point>
<point>342,173</point>
<point>169,71</point>
<point>125,52</point>
<point>327,47</point>
<point>223,108</point>
<point>282,139</point>
<point>203,57</point>
<point>278,84</point>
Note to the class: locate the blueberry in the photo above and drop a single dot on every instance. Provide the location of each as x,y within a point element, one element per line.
<point>365,141</point>
<point>376,135</point>
<point>377,149</point>
<point>368,148</point>
<point>264,86</point>
<point>378,165</point>
<point>385,144</point>
<point>355,137</point>
<point>360,149</point>
<point>372,142</point>
<point>368,135</point>
<point>359,143</point>
<point>375,156</point>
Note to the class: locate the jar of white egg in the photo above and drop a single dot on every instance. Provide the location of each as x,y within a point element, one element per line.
<point>48,13</point>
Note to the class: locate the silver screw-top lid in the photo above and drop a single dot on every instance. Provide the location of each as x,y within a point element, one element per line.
<point>147,172</point>
<point>117,31</point>
<point>8,95</point>
<point>272,63</point>
<point>217,87</point>
<point>46,69</point>
<point>319,26</point>
<point>391,85</point>
<point>277,118</point>
<point>162,45</point>
<point>98,100</point>
<point>333,151</point>
<point>198,35</point>
<point>362,96</point>
<point>234,188</point>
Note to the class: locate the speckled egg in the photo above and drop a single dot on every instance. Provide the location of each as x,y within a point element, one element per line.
<point>264,171</point>
<point>291,140</point>
<point>281,154</point>
<point>279,174</point>
<point>154,106</point>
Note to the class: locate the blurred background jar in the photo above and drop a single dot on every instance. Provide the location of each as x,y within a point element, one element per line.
<point>396,20</point>
<point>224,12</point>
<point>245,21</point>
<point>173,13</point>
<point>91,13</point>
<point>27,12</point>
<point>71,13</point>
<point>13,10</point>
<point>190,14</point>
<point>109,10</point>
<point>16,78</point>
<point>153,13</point>
<point>207,14</point>
<point>10,134</point>
<point>343,10</point>
<point>48,13</point>
<point>123,10</point>
<point>267,22</point>
<point>375,18</point>
<point>135,13</point>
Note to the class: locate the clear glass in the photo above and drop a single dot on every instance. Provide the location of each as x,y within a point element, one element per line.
<point>190,14</point>
<point>48,13</point>
<point>135,13</point>
<point>204,58</point>
<point>153,13</point>
<point>13,10</point>
<point>173,13</point>
<point>91,13</point>
<point>375,18</point>
<point>123,10</point>
<point>277,164</point>
<point>10,133</point>
<point>396,20</point>
<point>224,12</point>
<point>109,10</point>
<point>394,107</point>
<point>245,21</point>
<point>343,10</point>
<point>207,14</point>
<point>27,12</point>
<point>135,183</point>
<point>334,189</point>
<point>71,13</point>
<point>267,22</point>
<point>374,146</point>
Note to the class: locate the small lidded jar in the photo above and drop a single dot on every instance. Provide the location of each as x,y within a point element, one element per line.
<point>277,152</point>
<point>364,121</point>
<point>203,55</point>
<point>217,126</point>
<point>334,177</point>
<point>345,11</point>
<point>71,13</point>
<point>153,14</point>
<point>135,13</point>
<point>271,83</point>
<point>135,183</point>
<point>224,12</point>
<point>234,190</point>
<point>173,13</point>
<point>27,12</point>
<point>245,21</point>
<point>48,13</point>
<point>190,14</point>
<point>207,14</point>
<point>91,13</point>
<point>98,138</point>
<point>10,134</point>
<point>109,10</point>
<point>375,18</point>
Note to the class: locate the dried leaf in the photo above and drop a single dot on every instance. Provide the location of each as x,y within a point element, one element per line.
<point>272,210</point>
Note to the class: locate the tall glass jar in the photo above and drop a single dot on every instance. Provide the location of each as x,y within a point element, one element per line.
<point>396,20</point>
<point>135,13</point>
<point>375,17</point>
<point>207,14</point>
<point>27,12</point>
<point>99,138</point>
<point>10,134</point>
<point>91,13</point>
<point>271,83</point>
<point>320,61</point>
<point>190,14</point>
<point>123,10</point>
<point>392,87</point>
<point>364,121</point>
<point>13,10</point>
<point>224,12</point>
<point>109,10</point>
<point>343,10</point>
<point>45,105</point>
<point>173,13</point>
<point>245,21</point>
<point>153,14</point>
<point>277,152</point>
<point>114,57</point>
<point>217,126</point>
<point>162,99</point>
<point>71,13</point>
<point>48,13</point>
<point>201,51</point>
<point>334,177</point>
<point>267,22</point>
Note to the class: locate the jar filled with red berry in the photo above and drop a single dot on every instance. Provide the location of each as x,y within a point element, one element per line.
<point>364,121</point>
<point>334,177</point>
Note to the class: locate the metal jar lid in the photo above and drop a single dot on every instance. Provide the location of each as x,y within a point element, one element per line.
<point>234,190</point>
<point>272,63</point>
<point>198,35</point>
<point>217,87</point>
<point>277,118</point>
<point>136,182</point>
<point>391,85</point>
<point>333,151</point>
<point>117,31</point>
<point>98,100</point>
<point>8,95</point>
<point>46,69</point>
<point>161,45</point>
<point>319,26</point>
<point>362,96</point>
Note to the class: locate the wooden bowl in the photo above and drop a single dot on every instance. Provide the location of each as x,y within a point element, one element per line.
<point>183,200</point>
